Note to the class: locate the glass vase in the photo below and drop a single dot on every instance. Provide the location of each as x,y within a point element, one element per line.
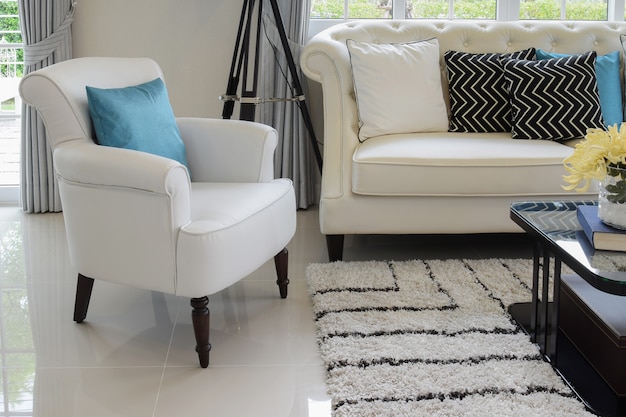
<point>612,198</point>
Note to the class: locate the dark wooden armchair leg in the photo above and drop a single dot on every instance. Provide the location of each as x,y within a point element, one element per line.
<point>84,285</point>
<point>281,261</point>
<point>200,318</point>
<point>334,243</point>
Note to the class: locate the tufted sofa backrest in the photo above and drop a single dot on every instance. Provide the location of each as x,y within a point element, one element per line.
<point>471,36</point>
<point>488,36</point>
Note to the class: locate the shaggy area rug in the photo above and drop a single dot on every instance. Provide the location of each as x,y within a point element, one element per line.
<point>432,338</point>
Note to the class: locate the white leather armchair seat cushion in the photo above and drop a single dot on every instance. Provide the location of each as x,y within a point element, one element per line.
<point>253,228</point>
<point>458,164</point>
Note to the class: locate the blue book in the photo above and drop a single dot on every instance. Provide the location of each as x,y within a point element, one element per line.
<point>602,236</point>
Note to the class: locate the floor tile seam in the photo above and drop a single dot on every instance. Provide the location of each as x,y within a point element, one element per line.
<point>167,355</point>
<point>74,367</point>
<point>236,366</point>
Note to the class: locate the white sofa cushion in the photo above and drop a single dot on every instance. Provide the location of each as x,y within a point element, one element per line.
<point>398,88</point>
<point>255,227</point>
<point>458,164</point>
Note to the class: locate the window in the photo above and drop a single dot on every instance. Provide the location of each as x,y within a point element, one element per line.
<point>449,9</point>
<point>468,9</point>
<point>564,10</point>
<point>11,70</point>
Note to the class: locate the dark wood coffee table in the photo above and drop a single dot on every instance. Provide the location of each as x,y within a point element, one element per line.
<point>558,238</point>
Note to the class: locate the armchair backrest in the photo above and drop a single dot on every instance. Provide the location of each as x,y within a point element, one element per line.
<point>61,98</point>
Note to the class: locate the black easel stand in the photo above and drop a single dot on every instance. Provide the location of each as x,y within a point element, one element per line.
<point>241,56</point>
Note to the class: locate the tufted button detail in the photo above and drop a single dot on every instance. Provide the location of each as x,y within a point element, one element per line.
<point>509,43</point>
<point>465,44</point>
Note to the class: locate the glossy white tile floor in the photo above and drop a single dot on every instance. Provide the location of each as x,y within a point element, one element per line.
<point>134,355</point>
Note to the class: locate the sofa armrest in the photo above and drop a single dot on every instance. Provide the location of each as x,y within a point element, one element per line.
<point>221,150</point>
<point>325,59</point>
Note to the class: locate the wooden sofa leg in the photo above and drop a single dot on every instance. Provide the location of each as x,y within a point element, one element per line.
<point>84,285</point>
<point>281,261</point>
<point>334,244</point>
<point>200,318</point>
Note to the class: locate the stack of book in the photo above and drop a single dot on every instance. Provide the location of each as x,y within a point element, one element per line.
<point>601,236</point>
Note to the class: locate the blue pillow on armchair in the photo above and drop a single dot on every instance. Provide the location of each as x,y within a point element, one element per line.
<point>139,117</point>
<point>609,84</point>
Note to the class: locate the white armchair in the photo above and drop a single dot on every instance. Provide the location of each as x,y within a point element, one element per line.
<point>136,218</point>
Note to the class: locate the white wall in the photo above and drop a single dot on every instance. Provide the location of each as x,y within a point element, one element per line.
<point>192,40</point>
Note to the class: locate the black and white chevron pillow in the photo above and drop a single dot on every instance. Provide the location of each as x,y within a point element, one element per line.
<point>479,99</point>
<point>553,99</point>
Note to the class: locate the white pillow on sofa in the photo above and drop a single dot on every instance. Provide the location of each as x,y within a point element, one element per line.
<point>398,88</point>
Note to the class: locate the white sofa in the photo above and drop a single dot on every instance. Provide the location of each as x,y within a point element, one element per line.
<point>435,182</point>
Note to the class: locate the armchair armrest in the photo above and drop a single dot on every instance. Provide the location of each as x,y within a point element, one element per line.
<point>82,161</point>
<point>220,150</point>
<point>123,210</point>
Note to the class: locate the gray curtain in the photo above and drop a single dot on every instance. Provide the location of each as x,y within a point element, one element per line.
<point>294,155</point>
<point>46,32</point>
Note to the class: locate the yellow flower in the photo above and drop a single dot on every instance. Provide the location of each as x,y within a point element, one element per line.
<point>592,155</point>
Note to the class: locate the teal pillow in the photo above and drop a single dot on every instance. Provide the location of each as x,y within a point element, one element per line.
<point>139,118</point>
<point>609,84</point>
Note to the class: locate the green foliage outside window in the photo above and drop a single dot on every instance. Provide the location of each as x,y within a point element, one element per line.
<point>327,9</point>
<point>574,10</point>
<point>430,9</point>
<point>9,8</point>
<point>463,9</point>
<point>366,9</point>
<point>540,10</point>
<point>586,10</point>
<point>10,22</point>
<point>475,9</point>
